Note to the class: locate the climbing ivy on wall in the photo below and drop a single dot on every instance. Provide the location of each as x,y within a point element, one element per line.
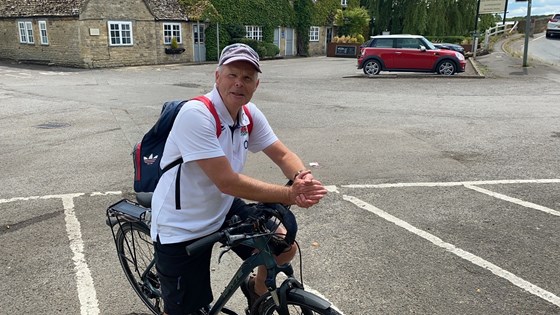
<point>268,14</point>
<point>304,13</point>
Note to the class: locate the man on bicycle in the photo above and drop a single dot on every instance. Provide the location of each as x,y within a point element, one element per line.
<point>211,183</point>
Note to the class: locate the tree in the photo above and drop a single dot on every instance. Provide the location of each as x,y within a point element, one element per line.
<point>424,17</point>
<point>352,21</point>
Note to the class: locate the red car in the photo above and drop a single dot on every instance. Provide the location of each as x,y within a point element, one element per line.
<point>409,53</point>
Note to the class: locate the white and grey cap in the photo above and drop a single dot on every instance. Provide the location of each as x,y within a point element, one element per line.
<point>239,52</point>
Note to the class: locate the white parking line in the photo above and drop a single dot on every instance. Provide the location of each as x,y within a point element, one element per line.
<point>519,282</point>
<point>446,184</point>
<point>514,200</point>
<point>84,281</point>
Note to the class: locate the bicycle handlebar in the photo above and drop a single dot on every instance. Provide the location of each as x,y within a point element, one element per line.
<point>251,227</point>
<point>198,245</point>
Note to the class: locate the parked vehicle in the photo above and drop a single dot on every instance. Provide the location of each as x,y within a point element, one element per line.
<point>553,26</point>
<point>448,46</point>
<point>410,53</point>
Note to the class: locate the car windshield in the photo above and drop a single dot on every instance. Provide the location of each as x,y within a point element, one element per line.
<point>428,44</point>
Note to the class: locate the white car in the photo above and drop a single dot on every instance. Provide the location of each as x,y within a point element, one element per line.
<point>553,26</point>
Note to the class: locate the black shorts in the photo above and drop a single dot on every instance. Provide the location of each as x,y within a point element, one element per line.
<point>185,280</point>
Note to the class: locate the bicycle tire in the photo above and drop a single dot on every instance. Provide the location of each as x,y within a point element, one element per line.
<point>296,305</point>
<point>136,254</point>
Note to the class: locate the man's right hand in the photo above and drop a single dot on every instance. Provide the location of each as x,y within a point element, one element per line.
<point>306,190</point>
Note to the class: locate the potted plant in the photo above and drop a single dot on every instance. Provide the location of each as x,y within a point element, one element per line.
<point>174,49</point>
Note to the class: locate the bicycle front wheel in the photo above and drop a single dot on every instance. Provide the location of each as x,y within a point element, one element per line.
<point>298,302</point>
<point>136,255</point>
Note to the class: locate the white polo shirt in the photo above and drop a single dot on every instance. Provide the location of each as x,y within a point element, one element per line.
<point>193,137</point>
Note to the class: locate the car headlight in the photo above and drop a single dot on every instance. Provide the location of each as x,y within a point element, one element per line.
<point>459,56</point>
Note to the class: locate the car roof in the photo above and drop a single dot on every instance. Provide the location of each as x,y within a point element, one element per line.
<point>397,36</point>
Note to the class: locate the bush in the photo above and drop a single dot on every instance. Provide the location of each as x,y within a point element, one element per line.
<point>360,38</point>
<point>174,43</point>
<point>271,49</point>
<point>446,39</point>
<point>264,49</point>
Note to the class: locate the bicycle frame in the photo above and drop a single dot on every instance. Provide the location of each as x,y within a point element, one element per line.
<point>263,257</point>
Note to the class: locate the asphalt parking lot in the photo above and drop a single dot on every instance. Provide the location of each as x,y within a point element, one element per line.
<point>443,192</point>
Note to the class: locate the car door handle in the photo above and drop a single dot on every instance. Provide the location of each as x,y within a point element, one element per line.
<point>398,52</point>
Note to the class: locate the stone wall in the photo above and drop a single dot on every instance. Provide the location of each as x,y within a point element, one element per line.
<point>319,48</point>
<point>63,44</point>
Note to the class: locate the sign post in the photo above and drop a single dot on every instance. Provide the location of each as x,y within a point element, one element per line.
<point>486,7</point>
<point>527,32</point>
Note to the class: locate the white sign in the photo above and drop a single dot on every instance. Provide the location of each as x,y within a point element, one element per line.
<point>492,6</point>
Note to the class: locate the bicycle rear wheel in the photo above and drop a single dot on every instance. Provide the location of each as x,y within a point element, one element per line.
<point>298,302</point>
<point>136,255</point>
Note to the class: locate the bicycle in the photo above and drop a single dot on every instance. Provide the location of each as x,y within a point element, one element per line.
<point>130,222</point>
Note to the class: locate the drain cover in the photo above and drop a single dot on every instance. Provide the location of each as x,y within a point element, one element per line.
<point>53,125</point>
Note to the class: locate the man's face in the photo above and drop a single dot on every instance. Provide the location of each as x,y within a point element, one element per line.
<point>236,83</point>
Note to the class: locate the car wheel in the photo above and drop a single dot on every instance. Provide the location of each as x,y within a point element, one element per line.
<point>547,35</point>
<point>372,67</point>
<point>446,67</point>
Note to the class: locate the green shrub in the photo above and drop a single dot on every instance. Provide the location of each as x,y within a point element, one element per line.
<point>271,49</point>
<point>174,43</point>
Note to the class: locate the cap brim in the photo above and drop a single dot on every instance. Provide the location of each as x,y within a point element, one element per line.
<point>243,58</point>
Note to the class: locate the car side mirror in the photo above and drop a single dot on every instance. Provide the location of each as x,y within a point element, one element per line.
<point>422,48</point>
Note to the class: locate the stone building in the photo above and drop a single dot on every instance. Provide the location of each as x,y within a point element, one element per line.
<point>97,33</point>
<point>105,33</point>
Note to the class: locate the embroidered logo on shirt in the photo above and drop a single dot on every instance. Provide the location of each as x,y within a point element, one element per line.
<point>244,130</point>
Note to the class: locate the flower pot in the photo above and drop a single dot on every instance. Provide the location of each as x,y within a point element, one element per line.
<point>174,51</point>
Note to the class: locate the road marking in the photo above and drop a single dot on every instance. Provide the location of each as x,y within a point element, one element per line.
<point>514,200</point>
<point>446,184</point>
<point>332,188</point>
<point>517,281</point>
<point>84,281</point>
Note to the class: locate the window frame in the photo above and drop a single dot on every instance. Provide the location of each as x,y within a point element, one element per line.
<point>121,33</point>
<point>25,31</point>
<point>43,32</point>
<point>314,33</point>
<point>177,33</point>
<point>198,33</point>
<point>254,32</point>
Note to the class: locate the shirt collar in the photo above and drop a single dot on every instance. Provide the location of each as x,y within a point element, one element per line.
<point>222,110</point>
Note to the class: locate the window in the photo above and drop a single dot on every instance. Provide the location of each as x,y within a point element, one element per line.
<point>26,32</point>
<point>383,43</point>
<point>43,32</point>
<point>171,30</point>
<point>413,43</point>
<point>314,34</point>
<point>254,32</point>
<point>198,34</point>
<point>120,33</point>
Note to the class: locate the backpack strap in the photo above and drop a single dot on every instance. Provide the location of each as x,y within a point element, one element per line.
<point>248,113</point>
<point>212,110</point>
<point>208,103</point>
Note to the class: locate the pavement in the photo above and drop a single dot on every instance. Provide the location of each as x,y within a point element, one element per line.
<point>506,61</point>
